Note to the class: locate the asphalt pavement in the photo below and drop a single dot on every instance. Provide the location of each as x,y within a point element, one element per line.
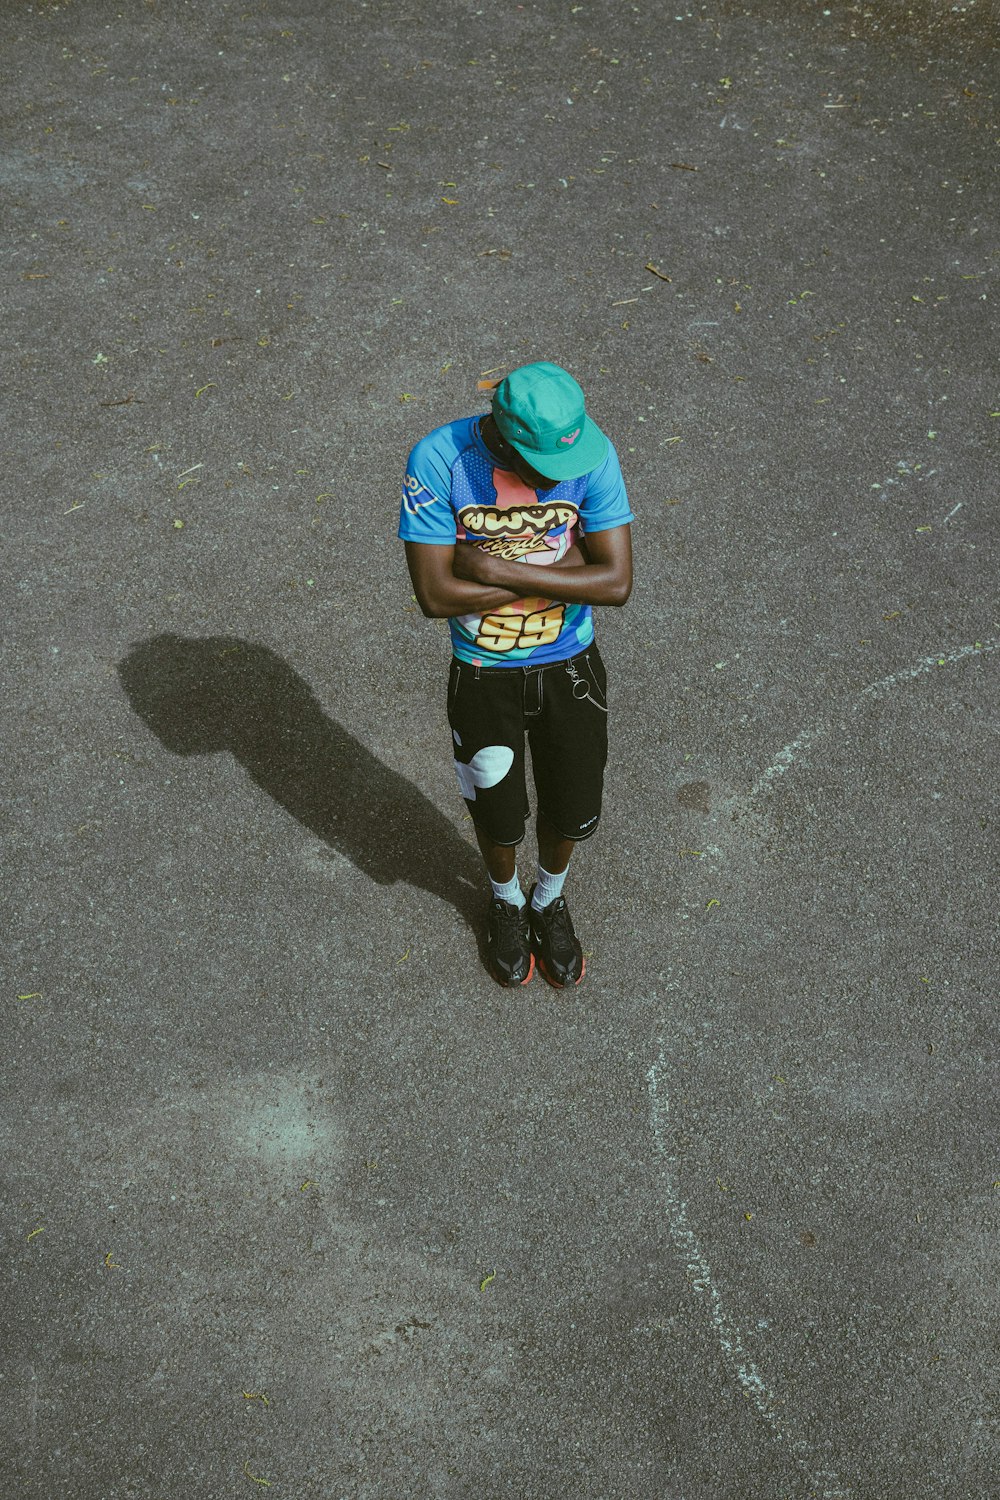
<point>295,1196</point>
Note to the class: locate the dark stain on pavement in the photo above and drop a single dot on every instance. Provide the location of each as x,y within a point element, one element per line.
<point>204,696</point>
<point>695,795</point>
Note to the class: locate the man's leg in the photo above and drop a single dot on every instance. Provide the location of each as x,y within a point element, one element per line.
<point>554,852</point>
<point>508,939</point>
<point>557,945</point>
<point>568,751</point>
<point>500,859</point>
<point>484,711</point>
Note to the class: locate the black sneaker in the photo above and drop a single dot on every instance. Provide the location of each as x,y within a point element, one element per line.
<point>508,943</point>
<point>560,956</point>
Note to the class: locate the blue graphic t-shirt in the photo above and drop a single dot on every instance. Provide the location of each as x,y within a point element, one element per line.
<point>455,490</point>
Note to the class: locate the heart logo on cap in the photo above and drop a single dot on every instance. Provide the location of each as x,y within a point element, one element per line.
<point>571,437</point>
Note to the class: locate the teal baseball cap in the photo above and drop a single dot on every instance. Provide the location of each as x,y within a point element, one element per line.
<point>539,409</point>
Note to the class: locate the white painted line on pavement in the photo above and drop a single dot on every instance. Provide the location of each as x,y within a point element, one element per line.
<point>786,757</point>
<point>699,1275</point>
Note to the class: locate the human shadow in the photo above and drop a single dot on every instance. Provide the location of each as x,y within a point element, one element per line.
<point>201,696</point>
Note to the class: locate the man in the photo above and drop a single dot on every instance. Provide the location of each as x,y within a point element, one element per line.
<point>534,484</point>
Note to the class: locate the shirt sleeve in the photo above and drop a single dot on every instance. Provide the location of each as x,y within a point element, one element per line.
<point>605,504</point>
<point>425,514</point>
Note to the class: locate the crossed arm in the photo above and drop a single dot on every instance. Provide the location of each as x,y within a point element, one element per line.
<point>462,579</point>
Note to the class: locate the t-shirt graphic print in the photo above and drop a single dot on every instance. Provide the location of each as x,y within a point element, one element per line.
<point>455,491</point>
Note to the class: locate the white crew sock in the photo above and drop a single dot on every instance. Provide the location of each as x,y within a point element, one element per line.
<point>509,890</point>
<point>547,888</point>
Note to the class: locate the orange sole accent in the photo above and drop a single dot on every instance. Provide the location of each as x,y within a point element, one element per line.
<point>555,983</point>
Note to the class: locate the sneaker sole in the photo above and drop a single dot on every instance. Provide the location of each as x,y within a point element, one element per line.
<point>558,984</point>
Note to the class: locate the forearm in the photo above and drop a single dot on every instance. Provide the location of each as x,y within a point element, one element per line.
<point>466,580</point>
<point>451,596</point>
<point>570,582</point>
<point>443,590</point>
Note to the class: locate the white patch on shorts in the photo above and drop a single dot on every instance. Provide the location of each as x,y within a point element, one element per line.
<point>486,768</point>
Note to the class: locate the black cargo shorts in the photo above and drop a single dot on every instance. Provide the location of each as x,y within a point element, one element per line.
<point>562,709</point>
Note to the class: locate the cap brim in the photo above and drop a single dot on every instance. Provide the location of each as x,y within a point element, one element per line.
<point>589,450</point>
